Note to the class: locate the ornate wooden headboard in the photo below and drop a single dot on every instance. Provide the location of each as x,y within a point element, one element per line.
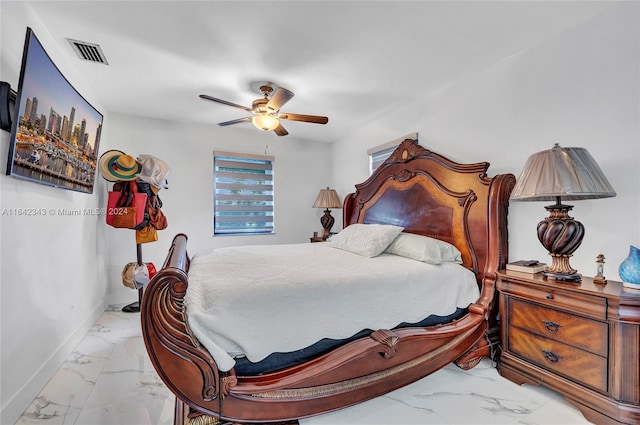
<point>431,195</point>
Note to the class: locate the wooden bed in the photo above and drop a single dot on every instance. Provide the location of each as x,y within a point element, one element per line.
<point>422,191</point>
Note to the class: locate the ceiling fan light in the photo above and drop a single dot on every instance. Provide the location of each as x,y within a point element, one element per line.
<point>265,122</point>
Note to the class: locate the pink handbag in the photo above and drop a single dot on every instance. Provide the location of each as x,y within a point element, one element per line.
<point>125,208</point>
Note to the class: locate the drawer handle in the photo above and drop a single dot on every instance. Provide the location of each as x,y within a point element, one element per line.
<point>549,296</point>
<point>550,356</point>
<point>551,327</point>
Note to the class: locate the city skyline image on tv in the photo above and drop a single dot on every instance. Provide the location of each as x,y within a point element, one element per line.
<point>56,133</point>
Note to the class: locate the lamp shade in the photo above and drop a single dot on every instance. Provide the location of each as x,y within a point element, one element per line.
<point>327,198</point>
<point>265,122</point>
<point>569,173</point>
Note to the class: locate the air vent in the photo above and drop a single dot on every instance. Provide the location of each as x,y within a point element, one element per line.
<point>88,51</point>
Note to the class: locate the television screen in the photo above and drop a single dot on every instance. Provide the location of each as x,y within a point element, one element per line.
<point>56,133</point>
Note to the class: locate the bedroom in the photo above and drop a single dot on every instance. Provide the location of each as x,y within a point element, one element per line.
<point>576,85</point>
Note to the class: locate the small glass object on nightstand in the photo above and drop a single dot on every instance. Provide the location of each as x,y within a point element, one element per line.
<point>599,277</point>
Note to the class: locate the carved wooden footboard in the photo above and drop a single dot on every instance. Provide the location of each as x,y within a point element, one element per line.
<point>471,210</point>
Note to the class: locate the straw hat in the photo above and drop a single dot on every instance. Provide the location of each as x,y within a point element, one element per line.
<point>117,166</point>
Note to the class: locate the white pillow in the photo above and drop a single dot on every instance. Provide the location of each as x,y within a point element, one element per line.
<point>368,240</point>
<point>424,248</point>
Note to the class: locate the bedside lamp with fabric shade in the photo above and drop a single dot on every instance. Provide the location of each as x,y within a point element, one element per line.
<point>556,174</point>
<point>327,198</point>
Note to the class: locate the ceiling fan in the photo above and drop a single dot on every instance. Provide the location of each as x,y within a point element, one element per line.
<point>266,111</point>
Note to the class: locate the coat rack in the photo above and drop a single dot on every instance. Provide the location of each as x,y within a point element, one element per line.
<point>116,166</point>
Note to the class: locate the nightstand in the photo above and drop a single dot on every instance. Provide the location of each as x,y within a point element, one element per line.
<point>579,339</point>
<point>317,239</point>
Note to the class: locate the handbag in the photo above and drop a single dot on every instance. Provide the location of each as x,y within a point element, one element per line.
<point>126,206</point>
<point>146,234</point>
<point>156,217</point>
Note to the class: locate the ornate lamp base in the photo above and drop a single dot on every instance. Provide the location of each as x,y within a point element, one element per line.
<point>561,235</point>
<point>327,221</point>
<point>562,277</point>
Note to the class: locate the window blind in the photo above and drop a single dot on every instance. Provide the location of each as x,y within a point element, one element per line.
<point>243,194</point>
<point>378,157</point>
<point>379,154</point>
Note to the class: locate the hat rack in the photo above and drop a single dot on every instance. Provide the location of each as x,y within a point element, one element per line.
<point>134,307</point>
<point>116,166</point>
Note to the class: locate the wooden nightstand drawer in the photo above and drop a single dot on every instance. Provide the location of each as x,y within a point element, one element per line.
<point>595,307</point>
<point>580,332</point>
<point>578,365</point>
<point>580,339</point>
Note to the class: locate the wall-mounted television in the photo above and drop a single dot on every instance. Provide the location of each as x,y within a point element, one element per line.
<point>56,133</point>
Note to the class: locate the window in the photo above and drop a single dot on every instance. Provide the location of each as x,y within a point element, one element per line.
<point>377,157</point>
<point>242,193</point>
<point>379,154</point>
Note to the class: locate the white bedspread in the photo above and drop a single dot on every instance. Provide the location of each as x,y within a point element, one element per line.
<point>256,300</point>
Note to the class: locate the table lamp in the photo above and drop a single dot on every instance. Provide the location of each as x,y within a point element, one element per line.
<point>327,198</point>
<point>556,174</point>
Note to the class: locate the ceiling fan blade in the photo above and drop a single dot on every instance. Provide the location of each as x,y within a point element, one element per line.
<point>224,102</point>
<point>280,130</point>
<point>239,120</point>
<point>279,98</point>
<point>316,119</point>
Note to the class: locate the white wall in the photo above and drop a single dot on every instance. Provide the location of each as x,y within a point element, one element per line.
<point>301,169</point>
<point>577,89</point>
<point>52,268</point>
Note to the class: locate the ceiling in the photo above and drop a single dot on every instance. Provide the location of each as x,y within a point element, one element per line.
<point>352,61</point>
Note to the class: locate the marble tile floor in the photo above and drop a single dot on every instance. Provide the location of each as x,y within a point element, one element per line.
<point>109,380</point>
